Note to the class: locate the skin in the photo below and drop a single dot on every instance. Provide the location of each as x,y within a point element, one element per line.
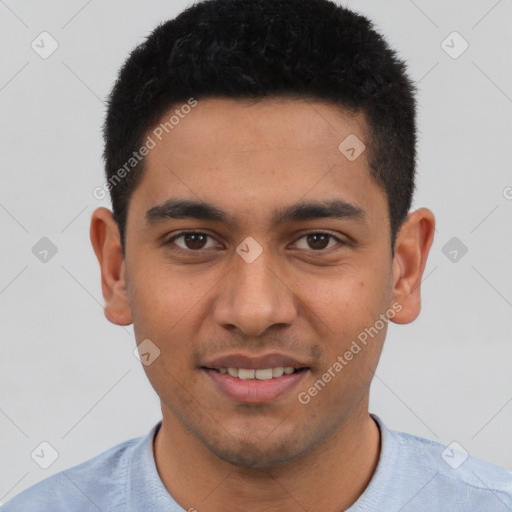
<point>298,298</point>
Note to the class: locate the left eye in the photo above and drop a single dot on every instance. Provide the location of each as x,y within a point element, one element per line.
<point>195,241</point>
<point>317,241</point>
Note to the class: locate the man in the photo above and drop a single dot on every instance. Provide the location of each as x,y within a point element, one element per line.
<point>260,157</point>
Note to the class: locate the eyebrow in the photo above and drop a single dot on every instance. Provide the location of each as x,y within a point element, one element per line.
<point>200,210</point>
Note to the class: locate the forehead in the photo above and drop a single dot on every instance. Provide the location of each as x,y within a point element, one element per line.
<point>248,155</point>
<point>227,125</point>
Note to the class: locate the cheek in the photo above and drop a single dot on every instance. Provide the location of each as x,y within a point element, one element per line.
<point>350,305</point>
<point>349,298</point>
<point>169,307</point>
<point>163,295</point>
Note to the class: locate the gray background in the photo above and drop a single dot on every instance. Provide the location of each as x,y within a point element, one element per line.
<point>69,377</point>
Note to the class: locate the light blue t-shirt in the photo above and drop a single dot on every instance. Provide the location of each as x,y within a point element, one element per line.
<point>412,475</point>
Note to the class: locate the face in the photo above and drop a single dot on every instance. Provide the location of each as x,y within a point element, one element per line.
<point>274,277</point>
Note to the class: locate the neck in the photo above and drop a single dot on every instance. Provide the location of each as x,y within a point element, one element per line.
<point>329,478</point>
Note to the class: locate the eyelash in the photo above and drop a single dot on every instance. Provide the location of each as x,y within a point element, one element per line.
<point>199,251</point>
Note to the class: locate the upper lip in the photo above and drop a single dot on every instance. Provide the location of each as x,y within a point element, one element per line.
<point>253,362</point>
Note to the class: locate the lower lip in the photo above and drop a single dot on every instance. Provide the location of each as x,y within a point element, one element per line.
<point>254,391</point>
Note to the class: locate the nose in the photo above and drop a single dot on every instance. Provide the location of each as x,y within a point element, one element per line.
<point>254,296</point>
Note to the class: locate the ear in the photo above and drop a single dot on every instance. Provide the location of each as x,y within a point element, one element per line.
<point>106,243</point>
<point>412,246</point>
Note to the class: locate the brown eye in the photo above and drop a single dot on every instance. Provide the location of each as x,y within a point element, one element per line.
<point>191,241</point>
<point>318,241</point>
<point>194,241</point>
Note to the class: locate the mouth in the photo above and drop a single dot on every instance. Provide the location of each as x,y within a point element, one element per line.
<point>254,380</point>
<point>259,374</point>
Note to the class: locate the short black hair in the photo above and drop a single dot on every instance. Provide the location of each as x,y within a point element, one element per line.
<point>311,49</point>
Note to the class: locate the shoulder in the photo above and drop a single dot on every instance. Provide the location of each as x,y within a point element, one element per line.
<point>87,486</point>
<point>451,475</point>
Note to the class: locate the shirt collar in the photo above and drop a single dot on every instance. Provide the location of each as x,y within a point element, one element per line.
<point>373,497</point>
<point>146,490</point>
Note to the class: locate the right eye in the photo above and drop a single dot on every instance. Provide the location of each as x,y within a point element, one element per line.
<point>191,241</point>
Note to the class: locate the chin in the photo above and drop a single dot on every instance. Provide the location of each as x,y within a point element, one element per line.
<point>255,456</point>
<point>261,448</point>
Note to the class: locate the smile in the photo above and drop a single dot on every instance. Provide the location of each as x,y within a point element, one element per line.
<point>255,386</point>
<point>260,374</point>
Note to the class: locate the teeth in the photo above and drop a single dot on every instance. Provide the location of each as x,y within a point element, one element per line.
<point>277,372</point>
<point>262,374</point>
<point>233,372</point>
<point>246,374</point>
<point>265,374</point>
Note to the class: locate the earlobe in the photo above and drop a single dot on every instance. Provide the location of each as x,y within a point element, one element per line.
<point>106,243</point>
<point>412,247</point>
